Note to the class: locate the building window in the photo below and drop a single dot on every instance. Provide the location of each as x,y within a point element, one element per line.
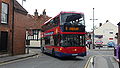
<point>35,34</point>
<point>111,32</point>
<point>32,34</point>
<point>98,36</point>
<point>4,14</point>
<point>110,38</point>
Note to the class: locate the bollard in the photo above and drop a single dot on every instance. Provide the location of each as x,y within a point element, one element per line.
<point>89,46</point>
<point>27,43</point>
<point>114,51</point>
<point>27,49</point>
<point>99,46</point>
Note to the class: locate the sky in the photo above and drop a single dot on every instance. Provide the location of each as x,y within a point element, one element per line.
<point>104,9</point>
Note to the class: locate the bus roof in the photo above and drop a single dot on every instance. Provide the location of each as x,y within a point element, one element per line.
<point>71,12</point>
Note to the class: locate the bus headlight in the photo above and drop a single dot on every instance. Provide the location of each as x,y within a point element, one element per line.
<point>61,48</point>
<point>75,49</point>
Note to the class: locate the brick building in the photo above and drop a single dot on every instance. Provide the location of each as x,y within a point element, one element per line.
<point>6,7</point>
<point>13,26</point>
<point>20,25</point>
<point>33,34</point>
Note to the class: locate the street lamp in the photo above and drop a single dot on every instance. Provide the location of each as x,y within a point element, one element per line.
<point>93,28</point>
<point>22,2</point>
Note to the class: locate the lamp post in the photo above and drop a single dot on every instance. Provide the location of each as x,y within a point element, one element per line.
<point>93,28</point>
<point>22,2</point>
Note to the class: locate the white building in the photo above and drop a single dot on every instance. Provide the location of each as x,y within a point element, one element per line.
<point>106,32</point>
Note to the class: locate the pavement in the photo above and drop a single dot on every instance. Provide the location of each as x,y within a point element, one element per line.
<point>6,58</point>
<point>105,62</point>
<point>102,61</point>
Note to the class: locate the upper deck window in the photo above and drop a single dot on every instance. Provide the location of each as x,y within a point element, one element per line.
<point>72,19</point>
<point>51,24</point>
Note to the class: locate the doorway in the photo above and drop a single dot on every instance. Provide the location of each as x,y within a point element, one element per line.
<point>3,41</point>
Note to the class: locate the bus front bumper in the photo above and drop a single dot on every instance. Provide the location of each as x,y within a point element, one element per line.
<point>60,54</point>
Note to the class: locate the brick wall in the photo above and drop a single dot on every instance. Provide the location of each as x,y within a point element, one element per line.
<point>21,23</point>
<point>8,27</point>
<point>19,34</point>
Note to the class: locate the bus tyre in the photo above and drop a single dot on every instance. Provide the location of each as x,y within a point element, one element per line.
<point>53,52</point>
<point>43,50</point>
<point>72,57</point>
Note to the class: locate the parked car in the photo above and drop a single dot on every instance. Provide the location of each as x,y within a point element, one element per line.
<point>111,44</point>
<point>99,43</point>
<point>88,42</point>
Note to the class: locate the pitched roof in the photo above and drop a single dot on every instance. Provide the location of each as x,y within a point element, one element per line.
<point>118,24</point>
<point>106,24</point>
<point>37,22</point>
<point>40,20</point>
<point>19,8</point>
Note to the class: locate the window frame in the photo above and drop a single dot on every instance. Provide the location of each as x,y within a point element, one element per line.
<point>110,32</point>
<point>52,23</point>
<point>80,39</point>
<point>6,14</point>
<point>63,16</point>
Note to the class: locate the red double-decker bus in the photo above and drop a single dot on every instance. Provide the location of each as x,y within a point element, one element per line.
<point>64,35</point>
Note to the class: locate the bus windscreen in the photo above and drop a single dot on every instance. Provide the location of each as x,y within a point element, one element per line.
<point>72,19</point>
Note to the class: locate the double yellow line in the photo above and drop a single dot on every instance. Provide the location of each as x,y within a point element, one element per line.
<point>88,62</point>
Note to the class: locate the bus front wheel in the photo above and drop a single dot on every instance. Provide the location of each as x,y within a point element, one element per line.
<point>53,52</point>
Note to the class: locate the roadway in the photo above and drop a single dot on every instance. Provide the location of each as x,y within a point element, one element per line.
<point>48,61</point>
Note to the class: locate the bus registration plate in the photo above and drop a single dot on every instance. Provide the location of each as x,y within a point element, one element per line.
<point>74,54</point>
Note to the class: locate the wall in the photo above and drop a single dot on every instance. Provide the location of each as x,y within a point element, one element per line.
<point>22,22</point>
<point>8,27</point>
<point>19,33</point>
<point>104,30</point>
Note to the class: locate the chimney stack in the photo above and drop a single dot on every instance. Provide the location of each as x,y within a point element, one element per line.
<point>36,13</point>
<point>44,12</point>
<point>100,24</point>
<point>107,21</point>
